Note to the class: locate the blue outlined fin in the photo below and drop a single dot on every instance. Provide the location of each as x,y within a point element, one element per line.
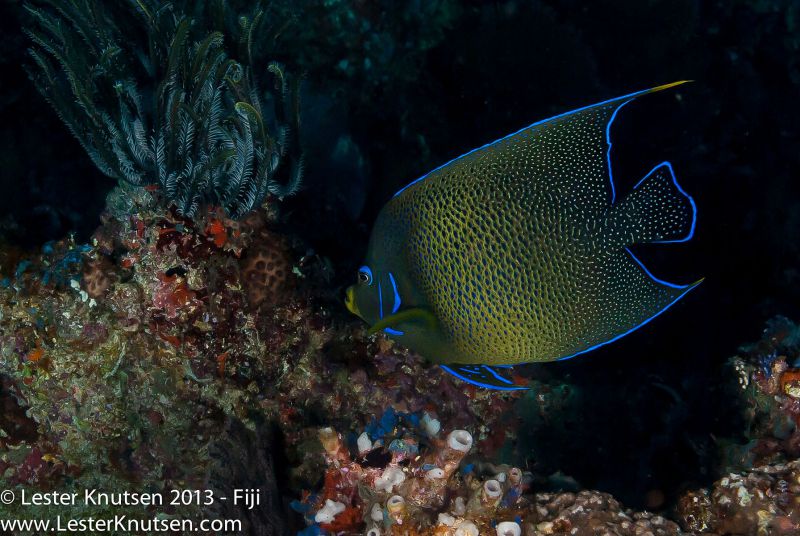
<point>554,149</point>
<point>483,376</point>
<point>658,210</point>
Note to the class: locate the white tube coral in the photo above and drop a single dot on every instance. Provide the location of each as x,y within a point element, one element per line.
<point>364,444</point>
<point>467,528</point>
<point>435,474</point>
<point>513,487</point>
<point>376,514</point>
<point>485,499</point>
<point>459,506</point>
<point>396,508</point>
<point>328,512</point>
<point>491,493</point>
<point>446,519</point>
<point>391,477</point>
<point>430,425</point>
<point>508,528</point>
<point>456,447</point>
<point>459,440</point>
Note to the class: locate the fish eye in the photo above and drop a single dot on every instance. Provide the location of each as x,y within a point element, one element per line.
<point>365,275</point>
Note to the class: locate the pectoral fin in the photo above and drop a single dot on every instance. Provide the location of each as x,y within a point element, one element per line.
<point>416,315</point>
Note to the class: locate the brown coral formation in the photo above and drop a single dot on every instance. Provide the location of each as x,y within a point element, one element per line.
<point>266,272</point>
<point>266,267</point>
<point>589,513</point>
<point>98,276</point>
<point>763,501</point>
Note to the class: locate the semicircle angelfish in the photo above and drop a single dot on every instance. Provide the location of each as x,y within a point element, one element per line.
<point>520,251</point>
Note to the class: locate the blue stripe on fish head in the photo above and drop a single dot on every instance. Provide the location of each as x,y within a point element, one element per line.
<point>397,300</point>
<point>395,303</point>
<point>380,301</point>
<point>366,297</point>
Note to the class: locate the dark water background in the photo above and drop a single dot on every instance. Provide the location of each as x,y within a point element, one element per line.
<point>651,404</point>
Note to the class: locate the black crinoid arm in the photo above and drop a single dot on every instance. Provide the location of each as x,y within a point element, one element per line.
<point>168,93</point>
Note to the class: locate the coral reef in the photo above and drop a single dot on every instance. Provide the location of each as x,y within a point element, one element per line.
<point>126,360</point>
<point>120,366</point>
<point>767,385</point>
<point>408,478</point>
<point>762,501</point>
<point>760,494</point>
<point>165,350</point>
<point>206,135</point>
<point>142,359</point>
<point>403,488</point>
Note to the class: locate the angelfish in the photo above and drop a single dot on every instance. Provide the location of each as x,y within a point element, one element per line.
<point>520,251</point>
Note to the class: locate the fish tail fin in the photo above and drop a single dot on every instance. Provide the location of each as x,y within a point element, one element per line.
<point>657,210</point>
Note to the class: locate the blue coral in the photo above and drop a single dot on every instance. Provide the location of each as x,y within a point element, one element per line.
<point>66,267</point>
<point>378,428</point>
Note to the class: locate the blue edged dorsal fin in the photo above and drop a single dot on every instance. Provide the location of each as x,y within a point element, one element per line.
<point>483,376</point>
<point>552,146</point>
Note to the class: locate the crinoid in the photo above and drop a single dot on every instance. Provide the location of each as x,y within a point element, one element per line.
<point>167,93</point>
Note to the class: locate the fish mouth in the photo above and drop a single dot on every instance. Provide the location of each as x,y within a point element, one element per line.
<point>350,301</point>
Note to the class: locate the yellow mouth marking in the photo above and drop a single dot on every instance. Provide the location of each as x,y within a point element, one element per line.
<point>350,301</point>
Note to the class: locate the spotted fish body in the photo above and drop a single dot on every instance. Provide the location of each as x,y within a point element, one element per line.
<point>519,251</point>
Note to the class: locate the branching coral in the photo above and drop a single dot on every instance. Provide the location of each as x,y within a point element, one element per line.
<point>155,98</point>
